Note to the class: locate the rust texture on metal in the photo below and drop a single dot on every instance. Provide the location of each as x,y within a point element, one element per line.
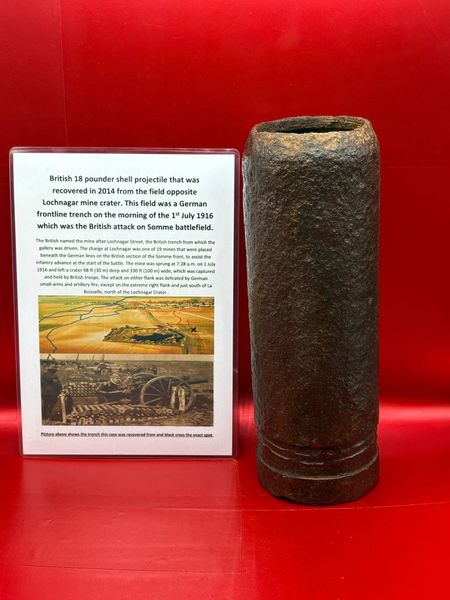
<point>311,211</point>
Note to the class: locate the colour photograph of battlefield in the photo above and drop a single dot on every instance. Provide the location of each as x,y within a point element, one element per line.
<point>126,325</point>
<point>81,390</point>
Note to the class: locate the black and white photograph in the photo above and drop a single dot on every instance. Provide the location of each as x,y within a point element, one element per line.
<point>97,390</point>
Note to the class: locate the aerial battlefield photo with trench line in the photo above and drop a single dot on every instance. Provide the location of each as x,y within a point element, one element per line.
<point>126,390</point>
<point>126,325</point>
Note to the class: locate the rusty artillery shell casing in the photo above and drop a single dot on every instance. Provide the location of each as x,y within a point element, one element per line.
<point>311,211</point>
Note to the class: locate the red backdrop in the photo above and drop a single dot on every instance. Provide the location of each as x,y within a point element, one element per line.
<point>201,73</point>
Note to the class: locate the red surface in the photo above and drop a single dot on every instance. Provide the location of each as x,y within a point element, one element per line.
<point>136,528</point>
<point>201,73</point>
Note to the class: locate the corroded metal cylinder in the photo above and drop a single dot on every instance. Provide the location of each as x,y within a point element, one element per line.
<point>311,211</point>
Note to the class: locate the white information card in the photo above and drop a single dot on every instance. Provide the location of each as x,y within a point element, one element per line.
<point>124,275</point>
